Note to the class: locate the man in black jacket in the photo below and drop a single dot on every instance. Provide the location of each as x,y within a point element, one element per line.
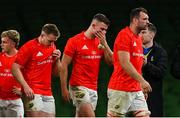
<point>155,66</point>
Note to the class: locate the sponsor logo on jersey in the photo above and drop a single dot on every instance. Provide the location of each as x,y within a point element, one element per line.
<point>94,52</point>
<point>138,54</point>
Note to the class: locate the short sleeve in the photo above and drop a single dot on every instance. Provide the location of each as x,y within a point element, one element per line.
<point>123,42</point>
<point>70,47</point>
<point>24,53</point>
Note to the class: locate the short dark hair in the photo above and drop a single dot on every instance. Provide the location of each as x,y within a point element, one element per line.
<point>152,27</point>
<point>13,35</point>
<point>51,29</point>
<point>135,13</point>
<point>102,18</point>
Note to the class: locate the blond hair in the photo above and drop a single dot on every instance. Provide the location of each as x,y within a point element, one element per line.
<point>13,35</point>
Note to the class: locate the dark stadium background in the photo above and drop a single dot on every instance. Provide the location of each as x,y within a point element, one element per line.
<point>73,16</point>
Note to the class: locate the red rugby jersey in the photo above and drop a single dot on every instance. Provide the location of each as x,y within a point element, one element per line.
<point>37,60</point>
<point>132,43</point>
<point>86,60</point>
<point>7,81</point>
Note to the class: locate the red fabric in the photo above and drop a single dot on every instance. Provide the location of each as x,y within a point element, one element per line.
<point>86,60</point>
<point>7,80</point>
<point>37,60</point>
<point>129,42</point>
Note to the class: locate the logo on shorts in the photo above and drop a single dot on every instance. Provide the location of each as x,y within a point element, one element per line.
<point>31,105</point>
<point>79,94</point>
<point>117,106</point>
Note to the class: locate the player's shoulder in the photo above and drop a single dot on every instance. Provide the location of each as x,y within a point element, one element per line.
<point>76,39</point>
<point>77,36</point>
<point>124,31</point>
<point>31,42</point>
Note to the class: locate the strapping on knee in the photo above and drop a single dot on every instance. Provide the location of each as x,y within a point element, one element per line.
<point>114,114</point>
<point>142,113</point>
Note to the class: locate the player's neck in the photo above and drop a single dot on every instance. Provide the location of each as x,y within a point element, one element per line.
<point>43,41</point>
<point>134,29</point>
<point>89,34</point>
<point>11,52</point>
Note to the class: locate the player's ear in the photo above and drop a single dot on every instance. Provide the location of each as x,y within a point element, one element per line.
<point>93,25</point>
<point>42,34</point>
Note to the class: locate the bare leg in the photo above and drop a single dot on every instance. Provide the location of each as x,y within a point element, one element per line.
<point>85,110</point>
<point>39,114</point>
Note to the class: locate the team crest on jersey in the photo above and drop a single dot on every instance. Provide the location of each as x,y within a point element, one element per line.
<point>94,52</point>
<point>84,47</point>
<point>134,44</point>
<point>0,64</point>
<point>39,54</point>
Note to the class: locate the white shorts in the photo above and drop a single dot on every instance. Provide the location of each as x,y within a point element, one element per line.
<point>81,94</point>
<point>40,103</point>
<point>121,102</point>
<point>11,108</point>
